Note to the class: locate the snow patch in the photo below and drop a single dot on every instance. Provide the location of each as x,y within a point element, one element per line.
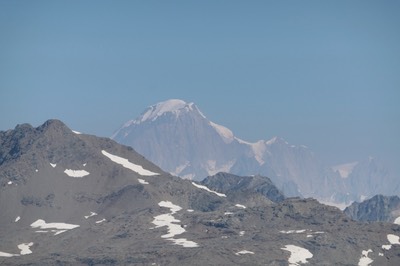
<point>240,206</point>
<point>100,221</point>
<point>397,220</point>
<point>190,210</point>
<point>90,215</point>
<point>142,181</point>
<point>76,173</point>
<point>393,239</point>
<point>228,213</point>
<point>184,242</point>
<point>9,182</point>
<point>17,219</point>
<point>43,225</point>
<point>243,252</point>
<point>298,254</point>
<point>171,223</point>
<point>167,204</point>
<point>25,248</point>
<point>310,233</point>
<point>53,165</point>
<point>209,190</point>
<point>127,164</point>
<point>275,140</point>
<point>128,124</point>
<point>259,150</point>
<point>225,133</point>
<point>170,106</point>
<point>365,260</point>
<point>241,233</point>
<point>243,141</point>
<point>344,170</point>
<point>57,232</point>
<point>293,231</point>
<point>57,228</point>
<point>8,255</point>
<point>76,132</point>
<point>271,141</point>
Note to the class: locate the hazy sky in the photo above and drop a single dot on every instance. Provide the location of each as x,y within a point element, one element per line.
<point>325,74</point>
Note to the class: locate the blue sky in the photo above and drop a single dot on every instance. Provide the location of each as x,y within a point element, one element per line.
<point>324,74</point>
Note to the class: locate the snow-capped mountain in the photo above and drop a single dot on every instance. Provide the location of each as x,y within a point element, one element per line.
<point>73,199</point>
<point>179,138</point>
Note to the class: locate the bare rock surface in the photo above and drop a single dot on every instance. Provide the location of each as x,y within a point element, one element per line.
<point>128,211</point>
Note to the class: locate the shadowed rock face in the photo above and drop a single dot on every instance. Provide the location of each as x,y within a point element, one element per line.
<point>101,212</point>
<point>378,208</point>
<point>244,187</point>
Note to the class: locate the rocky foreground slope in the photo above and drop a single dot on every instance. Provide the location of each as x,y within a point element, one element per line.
<point>73,199</point>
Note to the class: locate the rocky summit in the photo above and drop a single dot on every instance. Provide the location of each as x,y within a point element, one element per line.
<point>73,199</point>
<point>249,189</point>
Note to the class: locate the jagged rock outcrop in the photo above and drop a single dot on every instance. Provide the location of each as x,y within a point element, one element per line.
<point>378,208</point>
<point>245,189</point>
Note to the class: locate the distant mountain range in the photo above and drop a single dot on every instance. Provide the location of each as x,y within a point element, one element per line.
<point>376,209</point>
<point>73,199</point>
<point>179,138</point>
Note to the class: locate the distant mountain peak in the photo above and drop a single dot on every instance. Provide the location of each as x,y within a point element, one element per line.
<point>276,140</point>
<point>175,135</point>
<point>52,123</point>
<point>174,106</point>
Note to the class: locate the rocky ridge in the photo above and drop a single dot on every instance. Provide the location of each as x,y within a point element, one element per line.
<point>246,189</point>
<point>378,208</point>
<point>75,199</point>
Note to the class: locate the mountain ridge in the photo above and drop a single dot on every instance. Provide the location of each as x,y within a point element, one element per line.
<point>185,143</point>
<point>379,208</point>
<point>77,199</point>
